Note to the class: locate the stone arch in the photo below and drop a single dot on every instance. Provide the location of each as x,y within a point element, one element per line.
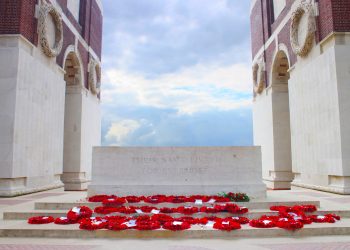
<point>74,175</point>
<point>73,67</point>
<point>280,67</point>
<point>281,173</point>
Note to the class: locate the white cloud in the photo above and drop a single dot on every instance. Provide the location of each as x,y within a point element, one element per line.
<point>120,130</point>
<point>194,89</point>
<point>176,73</point>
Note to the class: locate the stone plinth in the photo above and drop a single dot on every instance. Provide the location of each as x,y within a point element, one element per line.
<point>176,170</point>
<point>31,113</point>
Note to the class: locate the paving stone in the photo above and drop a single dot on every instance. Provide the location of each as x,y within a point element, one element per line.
<point>313,194</point>
<point>45,247</point>
<point>45,195</point>
<point>12,202</point>
<point>310,246</point>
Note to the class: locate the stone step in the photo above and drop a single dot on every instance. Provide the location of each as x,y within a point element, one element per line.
<point>22,229</point>
<point>250,205</point>
<point>254,213</point>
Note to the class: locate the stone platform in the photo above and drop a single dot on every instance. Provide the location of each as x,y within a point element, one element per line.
<point>176,171</point>
<point>22,229</point>
<point>57,203</point>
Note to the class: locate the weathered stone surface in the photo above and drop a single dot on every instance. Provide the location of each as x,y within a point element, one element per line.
<point>176,170</point>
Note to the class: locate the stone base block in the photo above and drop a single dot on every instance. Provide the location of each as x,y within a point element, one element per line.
<point>331,189</point>
<point>278,185</point>
<point>10,187</point>
<point>76,186</point>
<point>74,181</point>
<point>279,180</point>
<point>176,170</point>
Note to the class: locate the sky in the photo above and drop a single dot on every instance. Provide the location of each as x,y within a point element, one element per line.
<point>176,73</point>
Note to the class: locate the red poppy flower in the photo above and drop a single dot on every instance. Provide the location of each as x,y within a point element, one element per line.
<point>220,208</point>
<point>176,199</point>
<point>63,221</point>
<point>133,199</point>
<point>336,217</point>
<point>202,221</point>
<point>99,198</point>
<point>199,198</point>
<point>303,219</point>
<point>117,226</point>
<point>41,220</point>
<point>106,210</point>
<point>147,209</point>
<point>220,198</point>
<point>212,218</point>
<point>210,210</point>
<point>234,209</point>
<point>242,210</point>
<point>77,213</point>
<point>147,225</point>
<point>240,220</point>
<point>262,223</point>
<point>128,210</point>
<point>274,218</point>
<point>187,210</point>
<point>230,207</point>
<point>322,219</point>
<point>168,210</point>
<point>226,225</point>
<point>304,208</point>
<point>187,219</point>
<point>280,208</point>
<point>295,209</point>
<point>155,199</point>
<point>143,218</point>
<point>131,223</point>
<point>297,216</point>
<point>176,225</point>
<point>162,218</point>
<point>115,201</point>
<point>289,224</point>
<point>119,219</point>
<point>93,223</point>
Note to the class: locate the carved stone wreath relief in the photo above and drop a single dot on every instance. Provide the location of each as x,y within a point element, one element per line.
<point>46,11</point>
<point>306,10</point>
<point>94,77</point>
<point>258,76</point>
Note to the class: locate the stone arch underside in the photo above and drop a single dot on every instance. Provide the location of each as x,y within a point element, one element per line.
<point>73,70</point>
<point>280,69</point>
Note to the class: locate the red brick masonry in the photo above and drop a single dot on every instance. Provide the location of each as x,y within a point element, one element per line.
<point>334,17</point>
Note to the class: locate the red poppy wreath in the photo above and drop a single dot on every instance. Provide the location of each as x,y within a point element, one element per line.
<point>176,225</point>
<point>77,213</point>
<point>41,220</point>
<point>226,225</point>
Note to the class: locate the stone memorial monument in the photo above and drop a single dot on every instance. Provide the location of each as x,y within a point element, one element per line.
<point>176,170</point>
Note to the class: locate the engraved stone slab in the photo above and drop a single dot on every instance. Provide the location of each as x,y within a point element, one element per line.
<point>176,170</point>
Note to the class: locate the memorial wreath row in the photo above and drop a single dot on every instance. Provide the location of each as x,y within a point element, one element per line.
<point>152,218</point>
